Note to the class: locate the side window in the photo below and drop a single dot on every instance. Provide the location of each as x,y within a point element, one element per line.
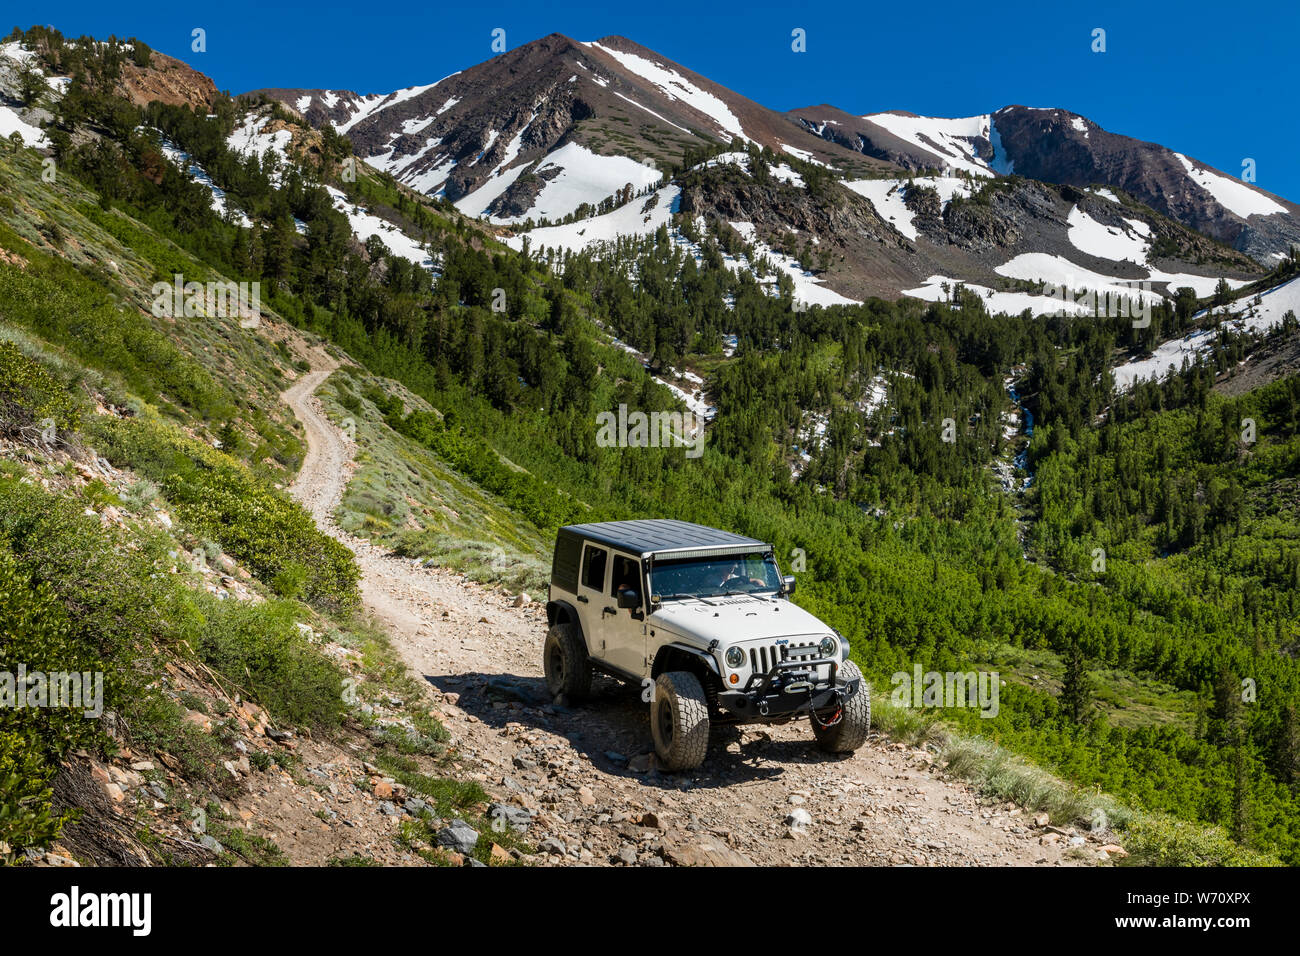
<point>593,568</point>
<point>626,575</point>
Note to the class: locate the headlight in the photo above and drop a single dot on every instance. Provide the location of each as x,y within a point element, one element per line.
<point>827,647</point>
<point>735,657</point>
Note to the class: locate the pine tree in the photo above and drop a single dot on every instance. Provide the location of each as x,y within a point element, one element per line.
<point>1288,748</point>
<point>1076,689</point>
<point>1242,826</point>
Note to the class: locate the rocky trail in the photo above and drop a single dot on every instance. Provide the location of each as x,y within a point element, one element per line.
<point>583,779</point>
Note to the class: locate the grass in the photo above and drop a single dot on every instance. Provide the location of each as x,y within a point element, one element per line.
<point>1151,839</point>
<point>448,799</point>
<point>997,772</point>
<point>403,496</point>
<point>248,847</point>
<point>355,859</point>
<point>1125,699</point>
<point>160,727</point>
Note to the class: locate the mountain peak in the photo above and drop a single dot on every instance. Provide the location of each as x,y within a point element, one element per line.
<point>552,126</point>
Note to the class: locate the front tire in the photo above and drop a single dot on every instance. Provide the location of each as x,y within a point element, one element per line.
<point>855,721</point>
<point>565,662</point>
<point>679,720</point>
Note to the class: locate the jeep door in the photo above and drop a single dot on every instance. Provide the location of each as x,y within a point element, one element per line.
<point>592,584</point>
<point>625,627</point>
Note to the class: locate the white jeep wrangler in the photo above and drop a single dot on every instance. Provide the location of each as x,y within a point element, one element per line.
<point>703,616</point>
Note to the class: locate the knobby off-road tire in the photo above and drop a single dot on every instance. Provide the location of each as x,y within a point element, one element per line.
<point>565,663</point>
<point>679,720</point>
<point>851,732</point>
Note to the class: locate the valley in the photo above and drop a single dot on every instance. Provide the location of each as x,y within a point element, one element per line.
<point>587,775</point>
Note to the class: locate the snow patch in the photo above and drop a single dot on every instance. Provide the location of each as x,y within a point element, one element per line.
<point>1232,195</point>
<point>649,110</point>
<point>181,160</point>
<point>476,203</point>
<point>630,219</point>
<point>808,290</point>
<point>1257,314</point>
<point>676,87</point>
<point>367,106</point>
<point>249,139</point>
<point>887,196</point>
<point>1109,242</point>
<point>995,301</point>
<point>948,140</point>
<point>10,123</point>
<point>365,224</point>
<point>585,177</point>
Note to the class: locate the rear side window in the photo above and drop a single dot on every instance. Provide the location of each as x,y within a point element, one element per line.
<point>593,568</point>
<point>568,555</point>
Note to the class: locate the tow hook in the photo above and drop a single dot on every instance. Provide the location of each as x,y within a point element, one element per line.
<point>762,708</point>
<point>835,718</point>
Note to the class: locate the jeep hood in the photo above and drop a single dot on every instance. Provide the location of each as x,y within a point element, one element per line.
<point>738,618</point>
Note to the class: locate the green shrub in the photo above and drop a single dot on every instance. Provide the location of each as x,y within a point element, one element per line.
<point>120,601</point>
<point>217,497</point>
<point>261,648</point>
<point>348,399</point>
<point>539,502</point>
<point>74,594</point>
<point>1160,840</point>
<point>30,395</point>
<point>36,635</point>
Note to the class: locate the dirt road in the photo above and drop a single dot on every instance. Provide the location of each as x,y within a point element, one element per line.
<point>585,773</point>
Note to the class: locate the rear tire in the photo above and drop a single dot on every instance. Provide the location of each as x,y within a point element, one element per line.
<point>679,720</point>
<point>565,662</point>
<point>855,722</point>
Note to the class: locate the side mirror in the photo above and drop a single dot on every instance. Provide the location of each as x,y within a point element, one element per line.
<point>629,599</point>
<point>787,584</point>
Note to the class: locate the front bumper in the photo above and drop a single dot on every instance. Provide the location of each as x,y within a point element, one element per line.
<point>791,688</point>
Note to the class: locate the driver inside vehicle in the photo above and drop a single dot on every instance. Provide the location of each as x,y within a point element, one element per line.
<point>625,576</point>
<point>738,576</point>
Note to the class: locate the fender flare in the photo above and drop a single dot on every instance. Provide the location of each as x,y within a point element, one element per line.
<point>562,612</point>
<point>669,651</point>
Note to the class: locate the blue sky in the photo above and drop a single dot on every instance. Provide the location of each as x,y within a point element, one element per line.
<point>1214,81</point>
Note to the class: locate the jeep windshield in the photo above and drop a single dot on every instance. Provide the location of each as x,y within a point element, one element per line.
<point>678,579</point>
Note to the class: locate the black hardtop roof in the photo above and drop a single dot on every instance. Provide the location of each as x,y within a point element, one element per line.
<point>661,534</point>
